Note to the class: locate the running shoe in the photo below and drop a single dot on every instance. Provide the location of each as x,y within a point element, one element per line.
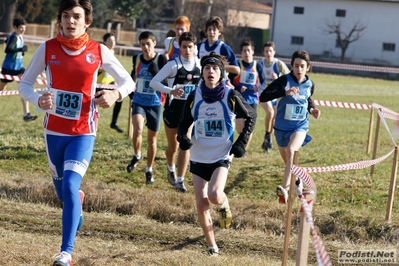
<point>28,117</point>
<point>171,177</point>
<point>181,187</point>
<point>82,197</point>
<point>213,252</point>
<point>282,195</point>
<point>149,179</point>
<point>267,143</point>
<point>116,127</point>
<point>63,259</point>
<point>225,217</point>
<point>132,165</point>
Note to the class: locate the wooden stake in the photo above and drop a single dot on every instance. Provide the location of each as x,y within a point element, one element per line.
<point>130,122</point>
<point>289,214</point>
<point>394,171</point>
<point>370,135</point>
<point>377,130</point>
<point>304,233</point>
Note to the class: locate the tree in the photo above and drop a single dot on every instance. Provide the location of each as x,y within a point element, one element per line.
<point>344,39</point>
<point>7,12</point>
<point>130,10</point>
<point>29,10</point>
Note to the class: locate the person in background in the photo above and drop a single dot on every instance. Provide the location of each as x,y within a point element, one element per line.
<point>203,36</point>
<point>272,68</point>
<point>183,74</point>
<point>293,92</point>
<point>212,109</point>
<point>146,102</point>
<point>251,74</point>
<point>105,78</point>
<point>214,31</point>
<point>13,62</point>
<point>172,48</point>
<point>71,61</point>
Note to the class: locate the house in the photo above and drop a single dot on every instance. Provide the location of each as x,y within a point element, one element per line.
<point>302,24</point>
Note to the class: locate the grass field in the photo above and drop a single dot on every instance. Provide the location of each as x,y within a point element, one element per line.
<point>129,223</point>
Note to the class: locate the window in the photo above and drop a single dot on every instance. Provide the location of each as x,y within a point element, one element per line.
<point>340,13</point>
<point>388,47</point>
<point>298,10</point>
<point>297,40</point>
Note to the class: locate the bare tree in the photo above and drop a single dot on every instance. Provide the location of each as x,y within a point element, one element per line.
<point>343,38</point>
<point>7,12</point>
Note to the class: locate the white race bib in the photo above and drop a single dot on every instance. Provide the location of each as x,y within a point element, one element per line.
<point>248,78</point>
<point>187,88</point>
<point>295,112</point>
<point>209,128</point>
<point>66,104</point>
<point>143,86</point>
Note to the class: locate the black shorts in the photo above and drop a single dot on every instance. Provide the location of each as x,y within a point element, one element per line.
<point>205,170</point>
<point>171,117</point>
<point>10,72</point>
<point>152,114</point>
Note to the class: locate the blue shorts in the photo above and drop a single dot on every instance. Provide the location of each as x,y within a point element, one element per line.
<point>283,137</point>
<point>274,102</point>
<point>152,114</point>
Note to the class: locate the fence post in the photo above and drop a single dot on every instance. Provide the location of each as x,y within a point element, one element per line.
<point>370,136</point>
<point>304,232</point>
<point>288,221</point>
<point>377,130</point>
<point>130,122</point>
<point>392,186</point>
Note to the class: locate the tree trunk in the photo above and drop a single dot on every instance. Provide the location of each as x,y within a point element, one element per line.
<point>7,13</point>
<point>343,51</point>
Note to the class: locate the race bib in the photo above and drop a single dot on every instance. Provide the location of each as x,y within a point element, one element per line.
<point>143,86</point>
<point>295,112</point>
<point>248,78</point>
<point>187,88</point>
<point>209,128</point>
<point>66,104</point>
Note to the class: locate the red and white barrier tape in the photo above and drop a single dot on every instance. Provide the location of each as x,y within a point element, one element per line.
<point>4,93</point>
<point>348,166</point>
<point>342,104</point>
<point>386,112</point>
<point>17,78</point>
<point>381,114</point>
<point>42,75</point>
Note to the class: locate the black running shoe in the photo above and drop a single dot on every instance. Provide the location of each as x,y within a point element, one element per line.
<point>132,165</point>
<point>149,180</point>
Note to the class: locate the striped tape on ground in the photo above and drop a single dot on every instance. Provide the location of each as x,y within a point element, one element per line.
<point>342,104</point>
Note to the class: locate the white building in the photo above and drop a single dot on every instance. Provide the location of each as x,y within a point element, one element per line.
<point>299,24</point>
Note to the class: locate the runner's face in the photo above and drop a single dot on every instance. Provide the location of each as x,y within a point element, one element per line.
<point>211,75</point>
<point>300,68</point>
<point>73,22</point>
<point>247,54</point>
<point>269,53</point>
<point>179,30</point>
<point>147,47</point>
<point>20,29</point>
<point>213,34</point>
<point>187,49</point>
<point>110,42</point>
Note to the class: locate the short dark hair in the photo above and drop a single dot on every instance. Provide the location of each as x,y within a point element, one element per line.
<point>247,42</point>
<point>147,35</point>
<point>188,37</point>
<point>66,5</point>
<point>302,54</point>
<point>18,22</point>
<point>107,35</point>
<point>269,44</point>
